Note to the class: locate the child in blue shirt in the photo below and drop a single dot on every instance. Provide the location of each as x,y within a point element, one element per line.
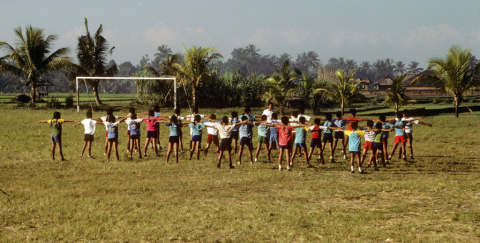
<point>301,134</point>
<point>354,146</point>
<point>263,138</point>
<point>273,132</point>
<point>175,128</point>
<point>196,128</point>
<point>245,131</point>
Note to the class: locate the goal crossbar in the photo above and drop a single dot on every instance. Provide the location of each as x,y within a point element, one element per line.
<point>128,78</point>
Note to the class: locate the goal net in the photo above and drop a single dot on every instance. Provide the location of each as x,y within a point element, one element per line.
<point>77,79</point>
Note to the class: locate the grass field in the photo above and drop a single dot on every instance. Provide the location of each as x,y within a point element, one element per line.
<point>434,198</point>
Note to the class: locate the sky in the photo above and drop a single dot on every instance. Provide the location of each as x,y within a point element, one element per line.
<point>363,30</point>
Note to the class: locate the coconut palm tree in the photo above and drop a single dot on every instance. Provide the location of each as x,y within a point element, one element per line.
<point>396,95</point>
<point>92,54</point>
<point>453,74</point>
<point>196,68</point>
<point>399,68</point>
<point>32,57</point>
<point>343,91</point>
<point>413,67</point>
<point>281,85</point>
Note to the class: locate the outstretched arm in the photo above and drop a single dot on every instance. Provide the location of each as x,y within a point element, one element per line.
<point>424,123</point>
<point>42,121</point>
<point>76,124</point>
<point>70,121</point>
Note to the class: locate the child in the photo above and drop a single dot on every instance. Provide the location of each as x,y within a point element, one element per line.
<point>225,132</point>
<point>103,119</point>
<point>133,123</point>
<point>300,142</point>
<point>273,132</point>
<point>327,136</point>
<point>385,125</point>
<point>354,146</point>
<point>245,131</point>
<point>131,111</point>
<point>56,137</point>
<point>112,134</point>
<point>191,118</point>
<point>196,129</point>
<point>151,121</point>
<point>173,141</point>
<point>409,130</point>
<point>176,112</point>
<point>89,131</point>
<point>399,134</point>
<point>339,135</point>
<point>234,135</point>
<point>247,112</point>
<point>212,134</point>
<point>157,113</point>
<point>263,138</point>
<point>285,136</point>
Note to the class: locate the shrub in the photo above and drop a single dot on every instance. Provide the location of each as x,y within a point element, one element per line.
<point>69,101</point>
<point>21,99</point>
<point>53,103</point>
<point>435,100</point>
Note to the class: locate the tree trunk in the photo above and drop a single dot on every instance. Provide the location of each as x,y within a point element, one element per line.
<point>343,107</point>
<point>194,96</point>
<point>396,109</point>
<point>33,92</point>
<point>456,106</point>
<point>95,93</point>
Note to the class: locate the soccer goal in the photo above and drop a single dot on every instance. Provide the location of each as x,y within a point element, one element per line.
<point>127,78</point>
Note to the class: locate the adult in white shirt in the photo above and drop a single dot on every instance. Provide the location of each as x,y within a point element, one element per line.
<point>269,111</point>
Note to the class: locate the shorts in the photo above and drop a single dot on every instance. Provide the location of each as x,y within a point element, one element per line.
<point>262,139</point>
<point>284,146</point>
<point>354,152</point>
<point>368,145</point>
<point>197,138</point>
<point>303,145</point>
<point>378,146</point>
<point>134,136</point>
<point>128,132</point>
<point>226,144</point>
<point>399,139</point>
<point>173,139</point>
<point>327,137</point>
<point>88,138</point>
<point>245,141</point>
<point>56,138</point>
<point>409,136</point>
<point>274,138</point>
<point>339,135</point>
<point>234,135</point>
<point>212,138</point>
<point>151,134</point>
<point>113,140</point>
<point>385,140</point>
<point>316,142</point>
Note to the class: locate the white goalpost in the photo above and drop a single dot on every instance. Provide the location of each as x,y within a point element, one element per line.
<point>128,78</point>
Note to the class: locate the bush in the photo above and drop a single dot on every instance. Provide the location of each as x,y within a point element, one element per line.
<point>435,100</point>
<point>53,103</point>
<point>21,99</point>
<point>69,101</point>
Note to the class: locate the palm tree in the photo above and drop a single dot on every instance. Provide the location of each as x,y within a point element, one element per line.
<point>196,68</point>
<point>399,68</point>
<point>344,91</point>
<point>396,95</point>
<point>92,54</point>
<point>413,67</point>
<point>453,74</point>
<point>281,85</point>
<point>163,52</point>
<point>30,57</point>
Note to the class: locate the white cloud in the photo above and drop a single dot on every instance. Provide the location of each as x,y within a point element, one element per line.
<point>176,35</point>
